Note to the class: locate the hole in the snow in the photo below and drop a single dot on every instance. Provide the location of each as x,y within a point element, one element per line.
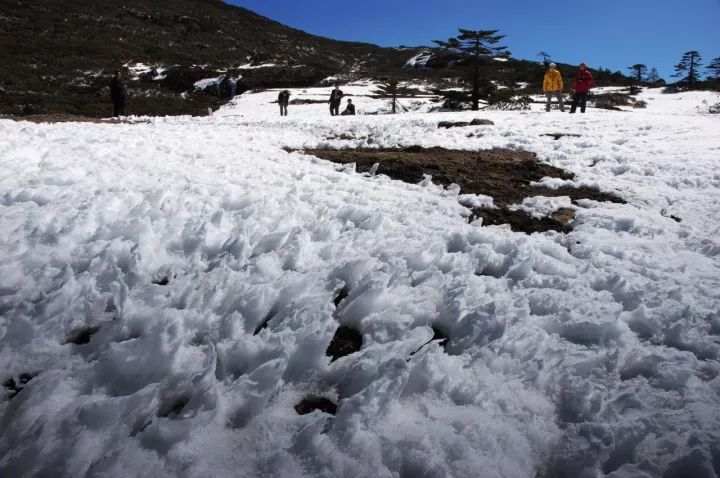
<point>175,408</point>
<point>345,342</point>
<point>264,323</point>
<point>83,336</point>
<point>312,403</point>
<point>438,334</point>
<point>15,385</point>
<point>341,295</point>
<point>164,280</point>
<point>505,175</point>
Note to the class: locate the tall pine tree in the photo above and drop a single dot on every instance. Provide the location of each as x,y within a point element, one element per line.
<point>545,58</point>
<point>639,70</point>
<point>688,68</point>
<point>475,46</point>
<point>654,77</point>
<point>714,68</point>
<point>390,88</point>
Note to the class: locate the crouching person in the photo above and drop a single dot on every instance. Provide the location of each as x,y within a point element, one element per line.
<point>349,109</point>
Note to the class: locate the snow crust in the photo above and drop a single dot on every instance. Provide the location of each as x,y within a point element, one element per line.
<point>588,354</point>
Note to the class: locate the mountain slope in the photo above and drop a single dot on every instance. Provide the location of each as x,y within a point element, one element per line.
<point>59,54</point>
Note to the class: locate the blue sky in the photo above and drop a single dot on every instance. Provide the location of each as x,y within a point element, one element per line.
<point>611,33</point>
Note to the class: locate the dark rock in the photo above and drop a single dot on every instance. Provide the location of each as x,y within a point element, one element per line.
<point>481,122</point>
<point>345,342</point>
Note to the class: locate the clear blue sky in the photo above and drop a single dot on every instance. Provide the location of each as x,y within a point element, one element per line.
<point>611,33</point>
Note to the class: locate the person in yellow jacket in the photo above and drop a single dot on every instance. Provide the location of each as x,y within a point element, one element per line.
<point>553,86</point>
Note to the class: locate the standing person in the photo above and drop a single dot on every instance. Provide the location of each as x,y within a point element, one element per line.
<point>553,86</point>
<point>349,109</point>
<point>233,88</point>
<point>118,93</point>
<point>583,83</point>
<point>284,100</point>
<point>335,100</point>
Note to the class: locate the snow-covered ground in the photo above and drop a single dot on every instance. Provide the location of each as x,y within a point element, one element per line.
<point>594,353</point>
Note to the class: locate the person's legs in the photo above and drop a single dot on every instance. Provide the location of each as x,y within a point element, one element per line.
<point>548,96</point>
<point>332,109</point>
<point>575,101</point>
<point>583,102</point>
<point>559,95</point>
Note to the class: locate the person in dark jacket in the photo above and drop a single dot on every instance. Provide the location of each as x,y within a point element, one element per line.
<point>583,83</point>
<point>283,101</point>
<point>335,100</point>
<point>118,93</point>
<point>349,109</point>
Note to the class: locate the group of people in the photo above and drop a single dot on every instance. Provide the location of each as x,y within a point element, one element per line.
<point>336,97</point>
<point>553,88</point>
<point>335,101</point>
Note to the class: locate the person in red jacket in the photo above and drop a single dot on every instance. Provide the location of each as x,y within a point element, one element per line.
<point>583,83</point>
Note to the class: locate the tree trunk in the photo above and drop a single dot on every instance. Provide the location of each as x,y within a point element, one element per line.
<point>476,87</point>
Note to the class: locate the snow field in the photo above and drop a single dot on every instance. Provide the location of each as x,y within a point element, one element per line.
<point>588,354</point>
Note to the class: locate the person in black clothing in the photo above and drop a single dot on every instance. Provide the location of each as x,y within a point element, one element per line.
<point>118,93</point>
<point>335,100</point>
<point>284,100</point>
<point>349,109</point>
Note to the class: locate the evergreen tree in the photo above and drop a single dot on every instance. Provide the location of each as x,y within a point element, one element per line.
<point>474,46</point>
<point>390,88</point>
<point>714,68</point>
<point>545,58</point>
<point>688,68</point>
<point>639,70</point>
<point>654,77</point>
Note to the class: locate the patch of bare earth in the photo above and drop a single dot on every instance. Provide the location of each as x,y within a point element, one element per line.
<point>503,174</point>
<point>66,118</point>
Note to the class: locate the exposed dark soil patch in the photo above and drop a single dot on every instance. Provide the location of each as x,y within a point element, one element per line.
<point>66,118</point>
<point>557,136</point>
<point>83,336</point>
<point>462,124</point>
<point>345,342</point>
<point>312,403</point>
<point>503,174</point>
<point>521,221</point>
